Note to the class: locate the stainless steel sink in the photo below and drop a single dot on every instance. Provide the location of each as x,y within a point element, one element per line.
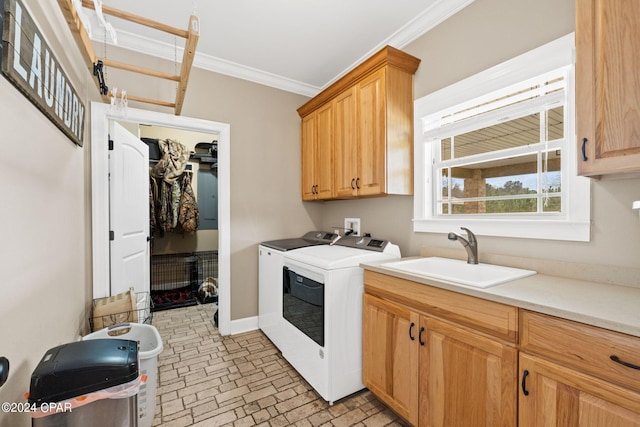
<point>457,271</point>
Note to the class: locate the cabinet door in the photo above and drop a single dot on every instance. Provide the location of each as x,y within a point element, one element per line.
<point>607,85</point>
<point>561,397</point>
<point>308,157</point>
<point>372,135</point>
<point>317,154</point>
<point>346,145</point>
<point>324,152</point>
<point>465,379</point>
<point>390,355</point>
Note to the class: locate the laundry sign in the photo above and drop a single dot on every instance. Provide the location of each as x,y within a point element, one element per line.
<point>29,64</point>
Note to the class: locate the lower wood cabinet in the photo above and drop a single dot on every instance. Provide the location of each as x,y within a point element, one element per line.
<point>465,379</point>
<point>433,373</point>
<point>577,375</point>
<point>390,352</point>
<point>557,396</point>
<point>440,359</point>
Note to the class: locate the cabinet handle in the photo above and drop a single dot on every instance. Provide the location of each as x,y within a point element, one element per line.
<point>420,336</point>
<point>411,331</point>
<point>358,183</point>
<point>623,363</point>
<point>584,148</point>
<point>353,183</point>
<point>525,374</point>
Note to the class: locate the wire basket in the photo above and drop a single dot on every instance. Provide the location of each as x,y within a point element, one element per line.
<point>119,313</point>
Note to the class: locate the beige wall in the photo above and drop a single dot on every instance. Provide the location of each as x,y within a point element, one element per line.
<point>265,171</point>
<point>265,160</point>
<point>45,265</point>
<point>484,34</point>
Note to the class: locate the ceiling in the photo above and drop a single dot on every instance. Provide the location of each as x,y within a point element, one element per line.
<point>300,46</point>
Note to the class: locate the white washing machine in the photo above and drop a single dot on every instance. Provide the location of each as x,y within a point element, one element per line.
<point>270,262</point>
<point>322,310</point>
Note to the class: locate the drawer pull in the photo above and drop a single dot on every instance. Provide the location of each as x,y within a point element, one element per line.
<point>525,374</point>
<point>411,331</point>
<point>420,336</point>
<point>623,363</point>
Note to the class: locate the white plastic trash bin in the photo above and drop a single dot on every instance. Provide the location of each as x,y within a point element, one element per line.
<point>150,344</point>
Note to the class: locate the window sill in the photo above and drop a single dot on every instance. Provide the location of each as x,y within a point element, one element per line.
<point>552,229</point>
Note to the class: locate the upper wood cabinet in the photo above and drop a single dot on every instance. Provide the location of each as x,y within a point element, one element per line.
<point>345,151</point>
<point>317,156</point>
<point>371,137</point>
<point>608,86</point>
<point>372,150</point>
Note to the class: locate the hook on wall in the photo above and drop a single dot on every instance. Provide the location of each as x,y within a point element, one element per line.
<point>99,73</point>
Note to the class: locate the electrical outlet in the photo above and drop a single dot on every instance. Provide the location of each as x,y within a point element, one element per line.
<point>352,224</point>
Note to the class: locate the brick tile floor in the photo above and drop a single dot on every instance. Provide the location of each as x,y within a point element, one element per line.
<point>242,380</point>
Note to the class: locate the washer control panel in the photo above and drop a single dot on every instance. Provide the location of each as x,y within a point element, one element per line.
<point>363,242</point>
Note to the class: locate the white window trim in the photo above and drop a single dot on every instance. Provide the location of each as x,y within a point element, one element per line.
<point>575,223</point>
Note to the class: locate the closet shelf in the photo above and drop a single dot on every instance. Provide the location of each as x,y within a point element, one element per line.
<point>203,158</point>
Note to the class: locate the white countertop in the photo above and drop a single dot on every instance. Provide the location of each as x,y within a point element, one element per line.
<point>607,306</point>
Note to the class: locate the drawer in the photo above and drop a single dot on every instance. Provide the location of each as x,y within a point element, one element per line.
<point>490,317</point>
<point>583,347</point>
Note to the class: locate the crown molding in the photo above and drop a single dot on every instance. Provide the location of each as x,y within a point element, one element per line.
<point>170,52</point>
<point>437,13</point>
<point>232,69</point>
<point>428,19</point>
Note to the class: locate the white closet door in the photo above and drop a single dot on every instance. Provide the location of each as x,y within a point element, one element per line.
<point>129,211</point>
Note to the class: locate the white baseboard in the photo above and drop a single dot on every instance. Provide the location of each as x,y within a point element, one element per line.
<point>243,325</point>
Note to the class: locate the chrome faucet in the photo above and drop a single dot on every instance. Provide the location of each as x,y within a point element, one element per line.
<point>470,244</point>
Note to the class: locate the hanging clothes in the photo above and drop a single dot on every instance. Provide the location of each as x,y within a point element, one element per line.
<point>189,217</point>
<point>173,162</point>
<point>164,208</point>
<point>153,197</point>
<point>172,202</point>
<point>175,203</point>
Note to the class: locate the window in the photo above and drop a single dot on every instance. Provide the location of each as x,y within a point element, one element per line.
<point>496,152</point>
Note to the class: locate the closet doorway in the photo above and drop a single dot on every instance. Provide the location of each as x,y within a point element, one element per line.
<point>148,124</point>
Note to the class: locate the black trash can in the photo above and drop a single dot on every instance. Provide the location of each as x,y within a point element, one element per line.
<point>86,383</point>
